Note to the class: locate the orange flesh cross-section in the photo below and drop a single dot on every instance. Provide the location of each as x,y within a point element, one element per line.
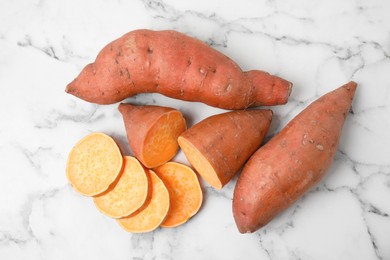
<point>161,141</point>
<point>200,163</point>
<point>128,193</point>
<point>184,190</point>
<point>93,164</point>
<point>151,215</point>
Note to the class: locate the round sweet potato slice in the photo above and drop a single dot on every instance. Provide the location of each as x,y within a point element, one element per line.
<point>152,214</point>
<point>184,191</point>
<point>128,193</point>
<point>93,164</point>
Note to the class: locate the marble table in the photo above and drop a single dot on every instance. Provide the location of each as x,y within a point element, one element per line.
<point>318,45</point>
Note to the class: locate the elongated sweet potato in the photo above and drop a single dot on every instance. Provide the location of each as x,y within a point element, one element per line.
<point>218,146</point>
<point>152,132</point>
<point>292,162</point>
<point>184,190</point>
<point>93,164</point>
<point>150,216</point>
<point>128,193</point>
<point>177,66</point>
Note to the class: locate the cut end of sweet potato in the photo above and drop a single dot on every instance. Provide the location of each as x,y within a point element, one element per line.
<point>184,191</point>
<point>152,132</point>
<point>200,163</point>
<point>128,193</point>
<point>150,216</point>
<point>218,146</point>
<point>93,164</point>
<point>160,144</point>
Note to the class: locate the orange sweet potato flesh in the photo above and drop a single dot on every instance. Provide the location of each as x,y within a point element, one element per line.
<point>218,146</point>
<point>93,164</point>
<point>177,66</point>
<point>128,193</point>
<point>292,162</point>
<point>150,216</point>
<point>184,191</point>
<point>152,132</point>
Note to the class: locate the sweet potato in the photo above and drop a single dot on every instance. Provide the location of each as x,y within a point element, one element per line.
<point>152,214</point>
<point>93,164</point>
<point>292,162</point>
<point>177,66</point>
<point>128,193</point>
<point>218,146</point>
<point>185,193</point>
<point>152,132</point>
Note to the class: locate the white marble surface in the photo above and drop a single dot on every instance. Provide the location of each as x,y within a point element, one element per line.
<point>318,45</point>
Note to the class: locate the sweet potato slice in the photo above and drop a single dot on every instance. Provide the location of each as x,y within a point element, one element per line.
<point>128,193</point>
<point>292,162</point>
<point>153,213</point>
<point>152,132</point>
<point>218,146</point>
<point>184,191</point>
<point>93,164</point>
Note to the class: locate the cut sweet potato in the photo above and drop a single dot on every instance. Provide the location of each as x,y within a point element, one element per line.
<point>292,162</point>
<point>153,213</point>
<point>152,132</point>
<point>93,164</point>
<point>128,193</point>
<point>184,191</point>
<point>218,146</point>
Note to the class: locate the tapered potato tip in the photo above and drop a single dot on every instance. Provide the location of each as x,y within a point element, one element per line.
<point>350,86</point>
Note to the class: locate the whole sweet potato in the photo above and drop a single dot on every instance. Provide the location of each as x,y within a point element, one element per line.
<point>292,162</point>
<point>177,66</point>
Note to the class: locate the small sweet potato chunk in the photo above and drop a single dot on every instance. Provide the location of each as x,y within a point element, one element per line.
<point>151,215</point>
<point>218,146</point>
<point>128,193</point>
<point>93,164</point>
<point>152,132</point>
<point>184,191</point>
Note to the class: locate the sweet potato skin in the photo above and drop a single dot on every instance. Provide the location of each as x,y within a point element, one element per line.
<point>292,162</point>
<point>227,140</point>
<point>178,66</point>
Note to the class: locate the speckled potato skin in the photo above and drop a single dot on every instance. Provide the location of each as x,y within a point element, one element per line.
<point>292,162</point>
<point>177,66</point>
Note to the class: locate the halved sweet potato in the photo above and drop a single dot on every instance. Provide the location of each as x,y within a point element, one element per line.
<point>184,191</point>
<point>153,213</point>
<point>93,164</point>
<point>152,132</point>
<point>218,146</point>
<point>128,193</point>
